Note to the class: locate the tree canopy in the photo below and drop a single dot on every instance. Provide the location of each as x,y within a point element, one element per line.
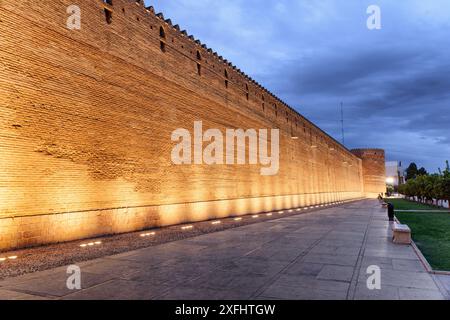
<point>411,171</point>
<point>427,187</point>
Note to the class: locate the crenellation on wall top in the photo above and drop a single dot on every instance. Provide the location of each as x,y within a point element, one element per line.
<point>150,9</point>
<point>368,150</point>
<point>266,95</point>
<point>160,15</point>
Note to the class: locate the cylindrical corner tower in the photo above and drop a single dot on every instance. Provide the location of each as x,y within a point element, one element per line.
<point>374,170</point>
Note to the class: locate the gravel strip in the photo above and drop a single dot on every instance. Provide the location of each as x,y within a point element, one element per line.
<point>57,255</point>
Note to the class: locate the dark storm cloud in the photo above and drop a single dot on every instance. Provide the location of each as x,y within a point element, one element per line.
<point>343,72</point>
<point>394,82</point>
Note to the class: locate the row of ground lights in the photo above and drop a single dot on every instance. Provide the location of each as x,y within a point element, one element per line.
<point>2,259</point>
<point>190,227</point>
<point>90,244</point>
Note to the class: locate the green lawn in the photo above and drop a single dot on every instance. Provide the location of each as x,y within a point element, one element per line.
<point>401,204</point>
<point>431,233</point>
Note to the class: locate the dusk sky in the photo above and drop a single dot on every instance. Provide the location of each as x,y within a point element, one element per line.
<point>394,82</point>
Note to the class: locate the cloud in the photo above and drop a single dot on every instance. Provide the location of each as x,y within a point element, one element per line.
<point>314,54</point>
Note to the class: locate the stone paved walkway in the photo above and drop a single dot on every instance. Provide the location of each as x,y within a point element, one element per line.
<point>321,255</point>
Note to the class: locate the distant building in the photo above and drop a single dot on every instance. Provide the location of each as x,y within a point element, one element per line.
<point>394,173</point>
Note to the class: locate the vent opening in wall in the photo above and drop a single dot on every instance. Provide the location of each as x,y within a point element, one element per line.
<point>162,35</point>
<point>199,69</point>
<point>108,16</point>
<point>226,77</point>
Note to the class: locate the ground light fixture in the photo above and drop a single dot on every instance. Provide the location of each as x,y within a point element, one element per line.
<point>189,227</point>
<point>144,235</point>
<point>90,244</point>
<point>2,259</point>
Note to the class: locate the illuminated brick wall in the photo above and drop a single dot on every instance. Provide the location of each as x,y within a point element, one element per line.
<point>87,116</point>
<point>374,171</point>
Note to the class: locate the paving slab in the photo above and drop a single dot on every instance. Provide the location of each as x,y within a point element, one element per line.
<point>338,273</point>
<point>119,290</point>
<point>14,295</point>
<point>342,260</point>
<point>55,285</point>
<point>416,294</point>
<point>300,293</point>
<point>444,282</point>
<point>385,293</point>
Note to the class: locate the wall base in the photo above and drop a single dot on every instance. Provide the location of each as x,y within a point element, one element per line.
<point>27,231</point>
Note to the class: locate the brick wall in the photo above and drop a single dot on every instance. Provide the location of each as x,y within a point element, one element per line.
<point>87,116</point>
<point>374,171</point>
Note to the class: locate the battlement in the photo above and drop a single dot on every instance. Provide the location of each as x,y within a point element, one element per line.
<point>173,37</point>
<point>369,153</point>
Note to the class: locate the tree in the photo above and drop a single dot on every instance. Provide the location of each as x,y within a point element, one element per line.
<point>446,184</point>
<point>422,172</point>
<point>426,187</point>
<point>438,189</point>
<point>411,171</point>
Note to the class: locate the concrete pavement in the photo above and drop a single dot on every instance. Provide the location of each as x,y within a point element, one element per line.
<point>320,255</point>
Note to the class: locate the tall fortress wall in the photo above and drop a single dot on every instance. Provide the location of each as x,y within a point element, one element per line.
<point>87,117</point>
